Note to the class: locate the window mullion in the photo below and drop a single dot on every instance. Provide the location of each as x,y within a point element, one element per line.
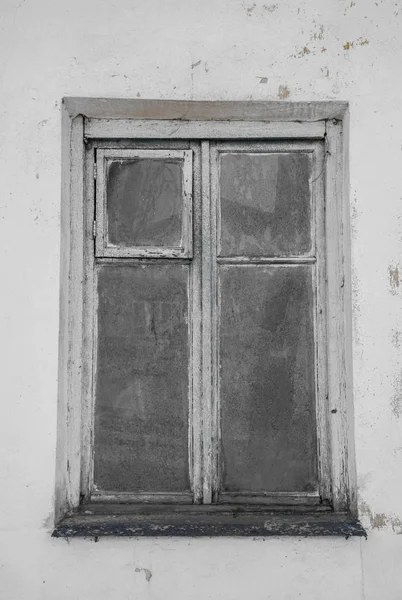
<point>208,329</point>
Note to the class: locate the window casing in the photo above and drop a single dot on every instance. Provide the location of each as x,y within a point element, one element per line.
<point>214,259</point>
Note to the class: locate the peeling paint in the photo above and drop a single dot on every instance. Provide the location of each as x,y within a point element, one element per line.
<point>359,42</point>
<point>196,64</point>
<point>263,79</point>
<point>380,520</point>
<point>283,92</point>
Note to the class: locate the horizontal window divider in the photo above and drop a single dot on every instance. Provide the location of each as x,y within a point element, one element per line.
<point>141,497</point>
<point>246,260</point>
<point>141,260</point>
<point>284,499</point>
<point>176,129</point>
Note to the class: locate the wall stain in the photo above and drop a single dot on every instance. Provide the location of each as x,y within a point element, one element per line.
<point>250,9</point>
<point>271,7</point>
<point>393,273</point>
<point>396,338</point>
<point>148,573</point>
<point>318,34</point>
<point>396,400</point>
<point>323,50</point>
<point>359,42</point>
<point>380,520</point>
<point>283,92</point>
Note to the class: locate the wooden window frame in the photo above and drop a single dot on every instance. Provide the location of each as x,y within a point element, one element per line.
<point>126,124</point>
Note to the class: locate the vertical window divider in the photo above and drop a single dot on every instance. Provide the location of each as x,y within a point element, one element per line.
<point>208,284</point>
<point>195,303</point>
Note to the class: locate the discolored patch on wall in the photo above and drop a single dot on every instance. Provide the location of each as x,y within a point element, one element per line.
<point>271,7</point>
<point>396,338</point>
<point>359,42</point>
<point>394,281</point>
<point>283,92</point>
<point>148,573</point>
<point>380,521</point>
<point>396,400</point>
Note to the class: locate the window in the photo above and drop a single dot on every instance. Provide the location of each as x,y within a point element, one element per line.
<point>205,370</point>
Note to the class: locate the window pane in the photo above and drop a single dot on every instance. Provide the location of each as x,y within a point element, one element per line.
<point>267,383</point>
<point>144,202</point>
<point>265,204</point>
<point>141,412</point>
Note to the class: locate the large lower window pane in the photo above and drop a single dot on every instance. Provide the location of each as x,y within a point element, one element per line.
<point>141,410</point>
<point>267,381</point>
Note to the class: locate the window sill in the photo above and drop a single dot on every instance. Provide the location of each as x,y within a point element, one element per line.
<point>198,520</point>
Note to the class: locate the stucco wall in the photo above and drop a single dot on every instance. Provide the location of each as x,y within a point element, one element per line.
<point>210,49</point>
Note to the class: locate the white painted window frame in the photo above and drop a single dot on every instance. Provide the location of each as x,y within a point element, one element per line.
<point>85,119</point>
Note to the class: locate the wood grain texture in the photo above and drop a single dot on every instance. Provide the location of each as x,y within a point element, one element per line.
<point>339,320</point>
<point>151,129</point>
<point>127,108</point>
<point>68,459</point>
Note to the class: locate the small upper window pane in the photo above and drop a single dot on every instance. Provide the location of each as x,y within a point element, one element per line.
<point>144,202</point>
<point>265,204</point>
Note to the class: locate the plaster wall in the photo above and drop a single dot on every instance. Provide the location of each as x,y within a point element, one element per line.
<point>209,50</point>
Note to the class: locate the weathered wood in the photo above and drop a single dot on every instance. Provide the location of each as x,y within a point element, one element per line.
<point>339,341</point>
<point>320,324</point>
<point>68,459</point>
<point>283,499</point>
<point>89,336</point>
<point>126,108</point>
<point>266,260</point>
<point>260,119</point>
<point>160,129</point>
<point>206,295</point>
<point>105,498</point>
<point>195,325</point>
<point>228,522</point>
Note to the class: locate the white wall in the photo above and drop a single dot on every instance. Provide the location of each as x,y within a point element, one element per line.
<point>195,49</point>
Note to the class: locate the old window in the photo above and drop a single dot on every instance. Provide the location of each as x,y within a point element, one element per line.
<point>206,366</point>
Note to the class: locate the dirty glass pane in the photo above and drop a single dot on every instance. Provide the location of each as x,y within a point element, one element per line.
<point>265,204</point>
<point>267,387</point>
<point>141,409</point>
<point>144,202</point>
